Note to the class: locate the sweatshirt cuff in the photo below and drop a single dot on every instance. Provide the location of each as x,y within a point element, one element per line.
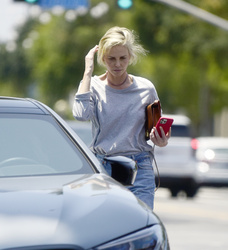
<point>84,96</point>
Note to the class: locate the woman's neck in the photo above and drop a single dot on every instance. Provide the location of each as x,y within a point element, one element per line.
<point>118,83</point>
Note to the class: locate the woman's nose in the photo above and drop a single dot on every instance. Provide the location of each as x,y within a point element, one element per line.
<point>117,63</point>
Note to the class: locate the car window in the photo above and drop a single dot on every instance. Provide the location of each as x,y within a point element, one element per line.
<point>36,145</point>
<point>180,131</point>
<point>85,134</point>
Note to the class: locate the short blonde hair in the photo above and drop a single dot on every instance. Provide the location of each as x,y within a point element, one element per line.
<point>120,36</point>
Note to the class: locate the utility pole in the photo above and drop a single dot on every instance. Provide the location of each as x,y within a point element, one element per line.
<point>197,12</point>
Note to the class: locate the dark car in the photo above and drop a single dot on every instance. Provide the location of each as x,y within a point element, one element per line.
<point>54,194</point>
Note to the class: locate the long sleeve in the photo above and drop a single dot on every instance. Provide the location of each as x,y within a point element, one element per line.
<point>117,116</point>
<point>83,107</point>
<point>80,107</point>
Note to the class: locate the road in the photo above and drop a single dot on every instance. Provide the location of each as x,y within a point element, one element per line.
<point>199,223</point>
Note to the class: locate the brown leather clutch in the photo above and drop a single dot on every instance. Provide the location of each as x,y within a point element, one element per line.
<point>153,113</point>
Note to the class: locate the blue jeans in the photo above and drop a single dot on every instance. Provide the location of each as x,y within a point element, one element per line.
<point>144,185</point>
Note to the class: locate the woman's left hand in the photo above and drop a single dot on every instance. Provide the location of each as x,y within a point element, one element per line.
<point>157,140</point>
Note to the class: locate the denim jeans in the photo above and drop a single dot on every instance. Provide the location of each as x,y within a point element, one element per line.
<point>144,185</point>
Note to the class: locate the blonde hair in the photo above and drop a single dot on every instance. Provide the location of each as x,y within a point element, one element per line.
<point>120,36</point>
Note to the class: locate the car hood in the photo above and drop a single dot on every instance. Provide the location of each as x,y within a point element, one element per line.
<point>89,211</point>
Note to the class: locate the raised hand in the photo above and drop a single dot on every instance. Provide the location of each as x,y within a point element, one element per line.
<point>89,60</point>
<point>89,67</point>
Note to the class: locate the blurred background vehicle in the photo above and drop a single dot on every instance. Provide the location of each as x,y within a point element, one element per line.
<point>176,162</point>
<point>83,130</point>
<point>186,163</point>
<point>177,169</point>
<point>212,161</point>
<point>55,194</point>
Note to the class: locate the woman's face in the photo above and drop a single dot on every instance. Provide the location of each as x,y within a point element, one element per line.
<point>117,60</point>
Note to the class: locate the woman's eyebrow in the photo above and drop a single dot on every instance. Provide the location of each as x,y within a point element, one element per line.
<point>115,56</point>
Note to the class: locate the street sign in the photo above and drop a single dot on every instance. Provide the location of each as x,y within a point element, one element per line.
<point>67,4</point>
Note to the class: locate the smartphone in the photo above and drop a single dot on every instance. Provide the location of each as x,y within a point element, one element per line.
<point>165,123</point>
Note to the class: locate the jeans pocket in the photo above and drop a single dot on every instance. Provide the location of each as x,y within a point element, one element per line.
<point>144,162</point>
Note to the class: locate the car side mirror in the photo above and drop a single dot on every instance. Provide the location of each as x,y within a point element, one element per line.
<point>124,169</point>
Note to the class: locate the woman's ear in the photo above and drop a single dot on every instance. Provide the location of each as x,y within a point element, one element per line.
<point>103,60</point>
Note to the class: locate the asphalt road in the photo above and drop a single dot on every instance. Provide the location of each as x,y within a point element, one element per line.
<point>200,223</point>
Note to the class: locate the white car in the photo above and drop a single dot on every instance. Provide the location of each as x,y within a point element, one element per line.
<point>177,168</point>
<point>176,162</point>
<point>212,157</point>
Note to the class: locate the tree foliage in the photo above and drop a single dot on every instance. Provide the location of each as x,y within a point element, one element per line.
<point>190,68</point>
<point>187,59</point>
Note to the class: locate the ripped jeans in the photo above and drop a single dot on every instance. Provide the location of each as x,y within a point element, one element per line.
<point>144,185</point>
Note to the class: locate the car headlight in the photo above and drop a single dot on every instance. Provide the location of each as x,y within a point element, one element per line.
<point>151,238</point>
<point>203,167</point>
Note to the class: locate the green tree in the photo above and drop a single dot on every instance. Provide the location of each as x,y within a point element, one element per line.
<point>13,68</point>
<point>58,54</point>
<point>187,59</point>
<point>190,65</point>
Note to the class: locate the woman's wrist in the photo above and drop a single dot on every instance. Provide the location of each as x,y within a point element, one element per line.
<point>88,73</point>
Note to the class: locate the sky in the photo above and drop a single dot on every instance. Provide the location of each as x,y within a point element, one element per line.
<point>11,15</point>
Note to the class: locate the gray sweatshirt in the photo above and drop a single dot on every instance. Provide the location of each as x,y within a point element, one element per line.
<point>118,116</point>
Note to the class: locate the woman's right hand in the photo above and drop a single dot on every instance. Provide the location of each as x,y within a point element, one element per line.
<point>89,60</point>
<point>89,66</point>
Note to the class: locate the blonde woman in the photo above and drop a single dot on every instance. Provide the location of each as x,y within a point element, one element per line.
<point>115,103</point>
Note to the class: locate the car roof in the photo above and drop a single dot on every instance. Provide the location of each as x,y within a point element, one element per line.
<point>15,105</point>
<point>178,119</point>
<point>213,142</point>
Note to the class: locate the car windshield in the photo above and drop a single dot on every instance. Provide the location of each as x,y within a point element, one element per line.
<point>37,145</point>
<point>180,131</point>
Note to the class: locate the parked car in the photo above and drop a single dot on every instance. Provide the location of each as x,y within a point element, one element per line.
<point>212,157</point>
<point>177,168</point>
<point>55,194</point>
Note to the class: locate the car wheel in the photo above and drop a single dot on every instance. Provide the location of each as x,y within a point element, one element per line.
<point>191,192</point>
<point>174,192</point>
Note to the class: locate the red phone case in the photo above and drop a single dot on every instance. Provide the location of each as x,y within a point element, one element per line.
<point>165,123</point>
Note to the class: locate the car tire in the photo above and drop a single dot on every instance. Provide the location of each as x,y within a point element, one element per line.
<point>191,192</point>
<point>174,192</point>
